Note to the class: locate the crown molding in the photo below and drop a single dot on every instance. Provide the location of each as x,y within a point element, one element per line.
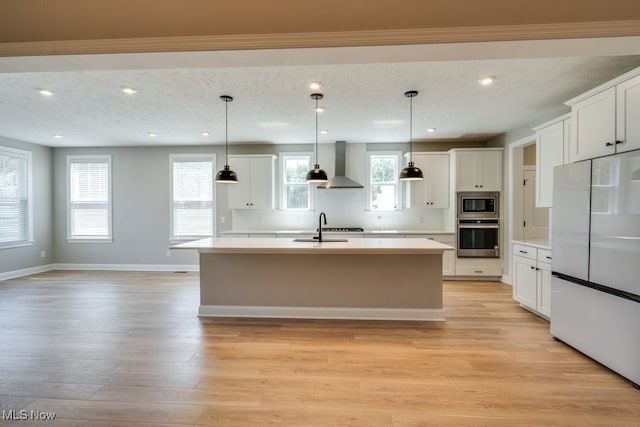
<point>328,39</point>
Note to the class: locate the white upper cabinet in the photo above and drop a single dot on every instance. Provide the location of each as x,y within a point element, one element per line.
<point>628,115</point>
<point>605,120</point>
<point>478,170</point>
<point>552,141</point>
<point>433,190</point>
<point>256,182</point>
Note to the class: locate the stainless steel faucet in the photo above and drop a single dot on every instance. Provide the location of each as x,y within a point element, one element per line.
<point>322,214</point>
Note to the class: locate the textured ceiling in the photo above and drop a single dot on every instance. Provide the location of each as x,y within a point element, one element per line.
<point>364,101</point>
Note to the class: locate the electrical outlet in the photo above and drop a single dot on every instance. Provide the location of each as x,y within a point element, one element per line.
<point>168,253</point>
<point>222,220</point>
<point>43,254</point>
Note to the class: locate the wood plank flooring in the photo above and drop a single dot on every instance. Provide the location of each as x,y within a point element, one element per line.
<point>127,349</point>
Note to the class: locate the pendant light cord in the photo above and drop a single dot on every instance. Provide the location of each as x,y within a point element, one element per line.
<point>316,131</point>
<point>226,133</point>
<point>411,129</point>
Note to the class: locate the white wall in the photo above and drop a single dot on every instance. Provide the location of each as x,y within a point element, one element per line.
<point>13,259</point>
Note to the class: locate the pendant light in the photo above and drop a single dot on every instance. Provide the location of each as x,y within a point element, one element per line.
<point>411,172</point>
<point>226,175</point>
<point>316,174</point>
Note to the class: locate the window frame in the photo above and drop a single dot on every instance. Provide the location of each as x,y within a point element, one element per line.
<point>283,184</point>
<point>192,157</point>
<point>396,183</point>
<point>99,158</point>
<point>28,156</point>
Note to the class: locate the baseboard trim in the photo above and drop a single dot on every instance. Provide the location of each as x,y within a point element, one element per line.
<point>126,267</point>
<point>26,272</point>
<point>106,267</point>
<point>346,313</point>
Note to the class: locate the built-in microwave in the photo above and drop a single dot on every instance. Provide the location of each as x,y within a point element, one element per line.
<point>478,205</point>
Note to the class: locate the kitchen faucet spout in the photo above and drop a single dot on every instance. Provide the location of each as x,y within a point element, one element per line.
<point>322,214</point>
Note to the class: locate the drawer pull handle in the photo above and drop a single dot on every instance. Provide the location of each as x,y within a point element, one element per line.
<point>619,142</point>
<point>609,144</point>
<point>531,267</point>
<point>548,257</point>
<point>478,271</point>
<point>523,252</point>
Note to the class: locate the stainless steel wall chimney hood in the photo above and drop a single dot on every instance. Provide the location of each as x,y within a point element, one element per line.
<point>340,180</point>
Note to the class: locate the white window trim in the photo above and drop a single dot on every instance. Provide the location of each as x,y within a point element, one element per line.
<point>92,239</point>
<point>281,182</point>
<point>398,192</point>
<point>30,238</point>
<point>196,157</point>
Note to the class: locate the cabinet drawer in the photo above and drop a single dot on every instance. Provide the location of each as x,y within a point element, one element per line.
<point>544,255</point>
<point>479,267</point>
<point>525,251</point>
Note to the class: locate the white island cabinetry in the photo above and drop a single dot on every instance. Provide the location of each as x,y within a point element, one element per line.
<point>357,279</point>
<point>256,182</point>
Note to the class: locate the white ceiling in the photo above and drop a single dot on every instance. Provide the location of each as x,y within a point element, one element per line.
<point>178,93</point>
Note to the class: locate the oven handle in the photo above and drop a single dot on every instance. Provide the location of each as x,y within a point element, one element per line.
<point>478,226</point>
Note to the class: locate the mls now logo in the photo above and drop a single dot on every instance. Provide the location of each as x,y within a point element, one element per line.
<point>24,415</point>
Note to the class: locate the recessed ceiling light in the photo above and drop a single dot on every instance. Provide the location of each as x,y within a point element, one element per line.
<point>431,130</point>
<point>486,81</point>
<point>45,92</point>
<point>205,133</point>
<point>129,90</point>
<point>324,131</point>
<point>152,134</point>
<point>56,136</point>
<point>315,85</point>
<point>320,109</point>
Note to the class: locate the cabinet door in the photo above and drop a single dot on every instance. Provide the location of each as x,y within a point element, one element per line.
<point>549,154</point>
<point>467,171</point>
<point>525,287</point>
<point>544,289</point>
<point>593,126</point>
<point>437,189</point>
<point>239,195</point>
<point>417,189</point>
<point>262,181</point>
<point>628,115</point>
<point>490,171</point>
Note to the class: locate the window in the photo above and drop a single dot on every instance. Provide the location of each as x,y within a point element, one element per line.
<point>89,193</point>
<point>15,197</point>
<point>192,213</point>
<point>296,194</point>
<point>383,181</point>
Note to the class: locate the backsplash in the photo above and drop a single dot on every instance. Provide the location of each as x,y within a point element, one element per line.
<point>344,208</point>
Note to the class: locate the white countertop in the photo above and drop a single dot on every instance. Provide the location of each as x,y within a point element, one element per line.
<point>390,232</point>
<point>247,245</point>
<point>536,243</point>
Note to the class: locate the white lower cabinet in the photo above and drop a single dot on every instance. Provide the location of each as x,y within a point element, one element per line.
<point>532,278</point>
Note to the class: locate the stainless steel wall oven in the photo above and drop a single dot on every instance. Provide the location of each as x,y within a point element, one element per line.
<point>478,231</point>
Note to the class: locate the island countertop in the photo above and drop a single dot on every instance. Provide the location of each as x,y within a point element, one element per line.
<point>248,245</point>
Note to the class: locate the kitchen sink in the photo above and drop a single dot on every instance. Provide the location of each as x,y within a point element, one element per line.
<point>312,240</point>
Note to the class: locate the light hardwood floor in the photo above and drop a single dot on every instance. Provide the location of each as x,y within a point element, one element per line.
<point>127,349</point>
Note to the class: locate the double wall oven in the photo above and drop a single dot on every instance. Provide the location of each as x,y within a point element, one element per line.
<point>478,224</point>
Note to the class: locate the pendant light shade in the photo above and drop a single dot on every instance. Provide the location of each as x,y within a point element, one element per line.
<point>411,172</point>
<point>316,174</point>
<point>226,175</point>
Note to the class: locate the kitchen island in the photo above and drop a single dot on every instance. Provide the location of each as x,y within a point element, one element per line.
<point>390,279</point>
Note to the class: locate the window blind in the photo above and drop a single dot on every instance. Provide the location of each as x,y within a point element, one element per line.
<point>90,197</point>
<point>192,196</point>
<point>14,196</point>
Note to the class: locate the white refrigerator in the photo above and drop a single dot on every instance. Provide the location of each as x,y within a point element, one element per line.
<point>595,288</point>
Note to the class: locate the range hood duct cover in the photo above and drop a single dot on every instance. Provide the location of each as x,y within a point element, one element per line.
<point>341,180</point>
